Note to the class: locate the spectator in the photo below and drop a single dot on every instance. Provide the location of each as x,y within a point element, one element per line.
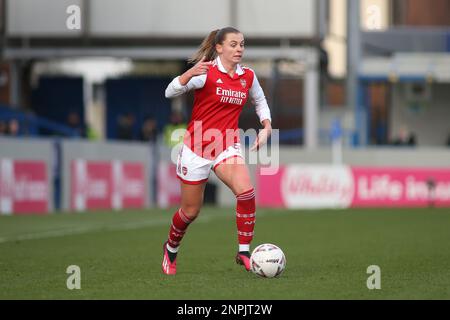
<point>73,121</point>
<point>125,127</point>
<point>405,138</point>
<point>149,130</point>
<point>3,128</point>
<point>13,127</point>
<point>91,134</point>
<point>176,122</point>
<point>412,139</point>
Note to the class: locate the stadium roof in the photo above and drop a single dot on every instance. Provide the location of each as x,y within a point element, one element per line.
<point>407,67</point>
<point>307,54</point>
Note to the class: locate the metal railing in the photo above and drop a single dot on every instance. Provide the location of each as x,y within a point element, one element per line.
<point>30,124</point>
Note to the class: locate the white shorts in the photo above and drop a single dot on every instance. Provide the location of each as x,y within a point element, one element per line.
<point>193,169</point>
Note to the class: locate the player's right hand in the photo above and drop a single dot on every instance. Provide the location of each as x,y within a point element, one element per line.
<point>201,67</point>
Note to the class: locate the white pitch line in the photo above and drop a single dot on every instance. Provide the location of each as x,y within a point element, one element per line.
<point>112,227</point>
<point>82,230</point>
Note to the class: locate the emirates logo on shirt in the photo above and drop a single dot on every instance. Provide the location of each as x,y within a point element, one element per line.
<point>243,83</point>
<point>231,96</point>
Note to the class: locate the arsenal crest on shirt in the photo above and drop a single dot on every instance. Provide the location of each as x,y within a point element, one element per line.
<point>243,83</point>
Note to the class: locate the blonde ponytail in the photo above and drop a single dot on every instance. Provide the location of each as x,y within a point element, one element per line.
<point>207,48</point>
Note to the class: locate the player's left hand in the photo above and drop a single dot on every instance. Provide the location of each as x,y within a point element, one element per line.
<point>261,139</point>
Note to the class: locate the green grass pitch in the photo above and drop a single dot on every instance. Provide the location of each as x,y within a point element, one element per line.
<point>328,252</point>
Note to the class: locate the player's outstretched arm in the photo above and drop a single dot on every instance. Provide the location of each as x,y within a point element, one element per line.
<point>198,69</point>
<point>194,78</point>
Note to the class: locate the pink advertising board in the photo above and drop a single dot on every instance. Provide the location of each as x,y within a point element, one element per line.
<point>24,187</point>
<point>107,185</point>
<point>401,187</point>
<point>322,186</point>
<point>168,185</point>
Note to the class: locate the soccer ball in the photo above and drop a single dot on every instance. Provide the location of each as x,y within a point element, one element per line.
<point>267,260</point>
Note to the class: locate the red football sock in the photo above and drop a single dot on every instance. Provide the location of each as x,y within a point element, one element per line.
<point>245,216</point>
<point>180,222</point>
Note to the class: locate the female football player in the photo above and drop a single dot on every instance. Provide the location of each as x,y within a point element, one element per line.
<point>222,87</point>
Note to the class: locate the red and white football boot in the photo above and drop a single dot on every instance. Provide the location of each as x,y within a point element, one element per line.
<point>168,267</point>
<point>243,258</point>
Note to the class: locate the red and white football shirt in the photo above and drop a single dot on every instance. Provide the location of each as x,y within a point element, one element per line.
<point>218,102</point>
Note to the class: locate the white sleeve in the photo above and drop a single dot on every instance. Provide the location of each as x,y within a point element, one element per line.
<point>175,89</point>
<point>259,100</point>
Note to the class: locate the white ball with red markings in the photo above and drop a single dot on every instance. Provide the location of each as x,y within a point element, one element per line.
<point>267,260</point>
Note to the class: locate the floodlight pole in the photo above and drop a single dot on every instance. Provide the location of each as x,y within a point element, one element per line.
<point>311,106</point>
<point>353,64</point>
<point>2,27</point>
